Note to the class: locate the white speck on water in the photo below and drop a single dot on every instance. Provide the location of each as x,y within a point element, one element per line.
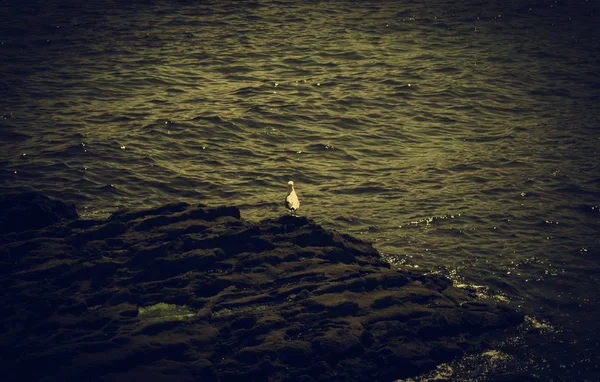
<point>122,147</point>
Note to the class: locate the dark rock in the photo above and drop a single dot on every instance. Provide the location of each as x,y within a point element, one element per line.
<point>103,232</point>
<point>514,378</point>
<point>200,294</point>
<point>29,211</point>
<point>126,215</point>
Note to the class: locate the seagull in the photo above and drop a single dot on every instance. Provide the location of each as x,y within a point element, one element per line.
<point>291,200</point>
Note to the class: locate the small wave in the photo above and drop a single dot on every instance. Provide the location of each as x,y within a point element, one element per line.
<point>482,139</point>
<point>108,188</point>
<point>174,90</point>
<point>374,190</point>
<point>12,136</point>
<point>576,189</point>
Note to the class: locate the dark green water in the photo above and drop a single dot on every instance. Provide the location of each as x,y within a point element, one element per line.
<point>459,137</point>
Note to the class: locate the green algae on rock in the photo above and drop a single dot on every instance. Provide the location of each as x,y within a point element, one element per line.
<point>165,312</point>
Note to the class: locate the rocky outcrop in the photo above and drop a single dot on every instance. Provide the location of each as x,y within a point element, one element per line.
<point>189,293</point>
<point>32,210</point>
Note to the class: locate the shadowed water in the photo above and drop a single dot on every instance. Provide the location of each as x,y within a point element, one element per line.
<point>460,137</point>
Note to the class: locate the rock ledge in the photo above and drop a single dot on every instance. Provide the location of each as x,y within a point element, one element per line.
<point>188,293</point>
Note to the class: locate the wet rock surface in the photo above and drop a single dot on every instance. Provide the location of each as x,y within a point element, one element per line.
<point>32,210</point>
<point>183,292</point>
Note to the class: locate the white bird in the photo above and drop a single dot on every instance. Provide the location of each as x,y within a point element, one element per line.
<point>291,200</point>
